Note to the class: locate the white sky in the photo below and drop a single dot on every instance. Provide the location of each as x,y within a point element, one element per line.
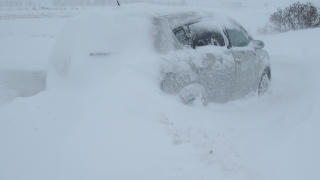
<point>218,2</point>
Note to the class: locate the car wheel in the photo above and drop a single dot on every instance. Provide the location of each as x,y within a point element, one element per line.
<point>192,91</point>
<point>264,84</point>
<point>170,84</point>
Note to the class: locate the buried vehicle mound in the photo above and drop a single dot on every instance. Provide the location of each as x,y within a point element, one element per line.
<point>202,54</point>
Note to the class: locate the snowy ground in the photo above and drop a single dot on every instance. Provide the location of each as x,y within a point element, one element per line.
<point>128,129</point>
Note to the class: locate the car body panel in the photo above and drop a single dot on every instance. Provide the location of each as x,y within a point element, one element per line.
<point>218,77</point>
<point>247,71</point>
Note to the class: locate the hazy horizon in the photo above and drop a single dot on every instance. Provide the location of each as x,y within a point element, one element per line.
<point>48,3</point>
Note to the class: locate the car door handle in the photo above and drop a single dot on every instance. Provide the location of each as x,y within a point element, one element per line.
<point>238,60</point>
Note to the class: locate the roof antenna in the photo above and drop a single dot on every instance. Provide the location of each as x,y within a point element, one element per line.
<point>118,3</point>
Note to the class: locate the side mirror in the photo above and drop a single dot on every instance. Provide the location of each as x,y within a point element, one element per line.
<point>258,44</point>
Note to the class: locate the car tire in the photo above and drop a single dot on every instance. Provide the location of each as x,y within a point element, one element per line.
<point>170,84</point>
<point>192,91</point>
<point>264,83</point>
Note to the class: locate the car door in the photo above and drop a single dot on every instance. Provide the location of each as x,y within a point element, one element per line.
<point>246,62</point>
<point>217,70</point>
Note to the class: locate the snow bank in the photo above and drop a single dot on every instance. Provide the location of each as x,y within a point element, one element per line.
<point>91,50</point>
<point>25,44</point>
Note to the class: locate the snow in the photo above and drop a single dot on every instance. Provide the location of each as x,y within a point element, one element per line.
<point>105,117</point>
<point>33,40</point>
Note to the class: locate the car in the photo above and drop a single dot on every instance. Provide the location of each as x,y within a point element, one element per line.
<point>212,57</point>
<point>200,55</point>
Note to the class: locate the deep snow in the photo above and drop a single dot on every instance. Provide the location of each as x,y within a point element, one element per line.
<point>124,127</point>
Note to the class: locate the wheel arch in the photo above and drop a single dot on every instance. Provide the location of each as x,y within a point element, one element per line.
<point>268,71</point>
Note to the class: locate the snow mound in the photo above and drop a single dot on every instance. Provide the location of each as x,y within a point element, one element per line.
<point>93,49</point>
<point>111,121</point>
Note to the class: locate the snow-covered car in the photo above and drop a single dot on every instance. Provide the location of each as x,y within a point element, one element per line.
<point>220,62</point>
<point>199,54</point>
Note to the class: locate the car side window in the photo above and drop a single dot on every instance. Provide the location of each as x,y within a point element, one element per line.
<point>203,37</point>
<point>197,34</point>
<point>237,36</point>
<point>181,35</point>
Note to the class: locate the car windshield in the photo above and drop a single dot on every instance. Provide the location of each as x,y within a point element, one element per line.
<point>237,35</point>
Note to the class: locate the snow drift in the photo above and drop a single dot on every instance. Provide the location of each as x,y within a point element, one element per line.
<point>104,117</point>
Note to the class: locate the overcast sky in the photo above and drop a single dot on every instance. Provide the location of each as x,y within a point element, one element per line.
<point>215,2</point>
